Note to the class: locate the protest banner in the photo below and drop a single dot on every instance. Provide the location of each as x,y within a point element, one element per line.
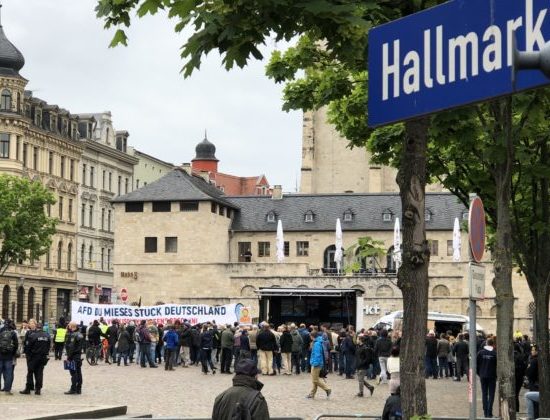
<point>194,314</point>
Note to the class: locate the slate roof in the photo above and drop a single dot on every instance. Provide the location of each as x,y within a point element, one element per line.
<point>367,210</point>
<point>176,185</point>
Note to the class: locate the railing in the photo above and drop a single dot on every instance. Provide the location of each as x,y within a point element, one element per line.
<point>333,272</point>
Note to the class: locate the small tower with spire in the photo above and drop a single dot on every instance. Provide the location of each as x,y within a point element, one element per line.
<point>205,157</point>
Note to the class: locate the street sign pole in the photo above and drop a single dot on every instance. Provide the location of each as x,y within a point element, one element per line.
<point>472,395</point>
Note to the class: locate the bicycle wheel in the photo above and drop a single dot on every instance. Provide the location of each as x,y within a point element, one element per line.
<point>91,356</point>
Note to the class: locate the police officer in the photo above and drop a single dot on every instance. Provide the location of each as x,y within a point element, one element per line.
<point>73,346</point>
<point>36,348</point>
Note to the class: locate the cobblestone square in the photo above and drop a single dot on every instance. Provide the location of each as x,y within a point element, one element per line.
<point>187,392</point>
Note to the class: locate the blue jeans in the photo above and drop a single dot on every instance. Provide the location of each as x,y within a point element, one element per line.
<point>431,366</point>
<point>531,398</point>
<point>145,353</point>
<point>350,364</point>
<point>6,370</point>
<point>488,387</point>
<point>443,366</point>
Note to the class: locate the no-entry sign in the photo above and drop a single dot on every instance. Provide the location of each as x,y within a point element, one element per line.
<point>476,229</point>
<point>124,294</point>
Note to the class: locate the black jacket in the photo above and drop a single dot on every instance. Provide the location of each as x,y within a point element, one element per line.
<point>207,340</point>
<point>245,342</point>
<point>286,342</point>
<point>94,335</point>
<point>186,339</point>
<point>73,345</point>
<point>242,387</point>
<point>431,347</point>
<point>131,329</point>
<point>365,356</point>
<point>112,334</point>
<point>195,337</point>
<point>37,343</point>
<point>382,348</point>
<point>392,408</point>
<point>15,343</point>
<point>487,363</point>
<point>461,349</point>
<point>266,341</point>
<point>532,374</point>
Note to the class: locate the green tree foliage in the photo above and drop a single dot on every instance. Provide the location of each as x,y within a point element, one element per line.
<point>365,248</point>
<point>25,229</point>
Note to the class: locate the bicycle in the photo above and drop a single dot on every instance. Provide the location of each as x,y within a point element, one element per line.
<point>93,353</point>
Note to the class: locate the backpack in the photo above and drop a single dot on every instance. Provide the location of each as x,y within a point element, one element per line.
<point>6,342</point>
<point>241,410</point>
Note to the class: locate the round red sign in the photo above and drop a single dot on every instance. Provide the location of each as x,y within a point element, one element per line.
<point>124,294</point>
<point>476,229</point>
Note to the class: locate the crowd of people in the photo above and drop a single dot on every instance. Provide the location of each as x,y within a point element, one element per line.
<point>249,351</point>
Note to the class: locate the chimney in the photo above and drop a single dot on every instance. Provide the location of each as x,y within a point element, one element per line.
<point>186,167</point>
<point>277,193</point>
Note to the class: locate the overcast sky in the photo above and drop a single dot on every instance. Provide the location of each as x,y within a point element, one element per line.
<point>68,63</point>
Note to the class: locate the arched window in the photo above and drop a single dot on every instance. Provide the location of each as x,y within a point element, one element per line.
<point>18,102</point>
<point>5,102</point>
<point>390,263</point>
<point>20,303</point>
<point>309,217</point>
<point>69,256</point>
<point>348,215</point>
<point>59,254</point>
<point>329,265</point>
<point>6,302</point>
<point>30,303</point>
<point>441,291</point>
<point>82,253</point>
<point>384,291</point>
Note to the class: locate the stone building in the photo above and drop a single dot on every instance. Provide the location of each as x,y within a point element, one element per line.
<point>107,171</point>
<point>181,240</point>
<point>39,141</point>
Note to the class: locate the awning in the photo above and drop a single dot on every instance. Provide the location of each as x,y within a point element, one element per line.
<point>276,291</point>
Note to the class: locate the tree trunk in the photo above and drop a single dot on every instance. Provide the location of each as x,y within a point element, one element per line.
<point>502,256</point>
<point>413,274</point>
<point>541,329</point>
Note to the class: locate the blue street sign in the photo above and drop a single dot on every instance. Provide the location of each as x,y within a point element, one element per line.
<point>451,55</point>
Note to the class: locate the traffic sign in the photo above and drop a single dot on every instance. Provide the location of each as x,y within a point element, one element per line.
<point>477,281</point>
<point>476,229</point>
<point>455,54</point>
<point>124,294</point>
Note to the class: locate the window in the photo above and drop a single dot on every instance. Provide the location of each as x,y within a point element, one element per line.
<point>308,217</point>
<point>271,216</point>
<point>434,247</point>
<point>109,220</point>
<point>17,146</point>
<point>108,260</point>
<point>427,216</point>
<point>125,185</point>
<point>103,218</point>
<point>213,208</point>
<point>19,110</point>
<point>82,214</point>
<point>35,159</point>
<point>228,213</point>
<point>245,253</point>
<point>91,216</point>
<point>69,256</point>
<point>287,248</point>
<point>221,210</point>
<point>92,176</point>
<point>25,153</point>
<point>348,216</point>
<point>302,248</point>
<point>103,180</point>
<point>84,174</point>
<point>150,244</point>
<point>50,163</point>
<point>110,181</point>
<point>62,169</point>
<point>102,259</point>
<point>450,250</point>
<point>136,207</point>
<point>90,255</point>
<point>387,216</point>
<point>161,206</point>
<point>119,185</point>
<point>264,249</point>
<point>82,252</point>
<point>171,244</point>
<point>137,184</point>
<point>48,258</point>
<point>70,209</point>
<point>189,206</point>
<point>71,170</point>
<point>60,208</point>
<point>59,254</point>
<point>4,146</point>
<point>5,104</point>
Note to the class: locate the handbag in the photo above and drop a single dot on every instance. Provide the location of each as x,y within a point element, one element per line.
<point>69,365</point>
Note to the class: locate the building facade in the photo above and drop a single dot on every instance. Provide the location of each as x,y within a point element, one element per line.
<point>107,172</point>
<point>40,142</point>
<point>148,169</point>
<point>180,240</point>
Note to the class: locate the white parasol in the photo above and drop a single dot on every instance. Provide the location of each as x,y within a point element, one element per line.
<point>280,242</point>
<point>457,245</point>
<point>397,245</point>
<point>338,243</point>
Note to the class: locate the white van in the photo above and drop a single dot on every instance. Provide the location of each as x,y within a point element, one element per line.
<point>437,321</point>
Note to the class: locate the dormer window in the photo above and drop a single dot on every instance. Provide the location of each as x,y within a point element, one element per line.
<point>387,215</point>
<point>271,217</point>
<point>348,216</point>
<point>428,215</point>
<point>309,217</point>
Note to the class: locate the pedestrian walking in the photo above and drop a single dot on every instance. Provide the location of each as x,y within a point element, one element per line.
<point>365,357</point>
<point>317,362</point>
<point>382,350</point>
<point>487,371</point>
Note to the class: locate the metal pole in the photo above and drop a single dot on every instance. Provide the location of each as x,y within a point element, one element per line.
<point>473,357</point>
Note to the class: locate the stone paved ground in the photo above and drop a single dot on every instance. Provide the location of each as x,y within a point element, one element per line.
<point>188,393</point>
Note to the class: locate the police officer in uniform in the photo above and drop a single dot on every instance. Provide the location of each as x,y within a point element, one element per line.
<point>36,348</point>
<point>73,346</point>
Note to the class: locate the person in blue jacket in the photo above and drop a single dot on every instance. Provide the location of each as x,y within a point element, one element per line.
<point>317,361</point>
<point>171,341</point>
